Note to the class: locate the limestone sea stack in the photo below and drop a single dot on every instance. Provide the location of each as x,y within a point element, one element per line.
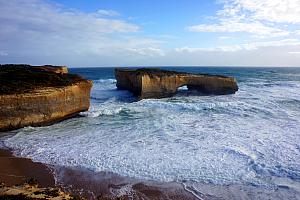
<point>40,95</point>
<point>157,83</point>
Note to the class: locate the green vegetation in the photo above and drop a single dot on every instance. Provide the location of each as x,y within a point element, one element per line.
<point>16,79</point>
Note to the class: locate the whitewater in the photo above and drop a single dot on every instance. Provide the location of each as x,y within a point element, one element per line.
<point>251,137</point>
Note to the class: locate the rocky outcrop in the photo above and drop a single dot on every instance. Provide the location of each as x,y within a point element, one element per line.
<point>55,69</point>
<point>33,192</point>
<point>33,96</point>
<point>155,83</point>
<point>47,68</point>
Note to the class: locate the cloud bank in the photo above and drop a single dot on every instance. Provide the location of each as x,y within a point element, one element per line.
<point>258,17</point>
<point>42,32</point>
<point>39,32</point>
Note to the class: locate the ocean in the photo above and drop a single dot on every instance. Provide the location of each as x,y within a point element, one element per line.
<point>251,137</point>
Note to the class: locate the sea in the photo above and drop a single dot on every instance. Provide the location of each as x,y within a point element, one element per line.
<point>249,138</point>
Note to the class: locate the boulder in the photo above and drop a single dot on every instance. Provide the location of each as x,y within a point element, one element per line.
<point>156,83</point>
<point>37,96</point>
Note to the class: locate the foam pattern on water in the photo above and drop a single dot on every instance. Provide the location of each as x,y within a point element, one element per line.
<point>248,137</point>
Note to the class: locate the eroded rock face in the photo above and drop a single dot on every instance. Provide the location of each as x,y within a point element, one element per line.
<point>155,83</point>
<point>55,69</point>
<point>33,192</point>
<point>47,68</point>
<point>41,102</point>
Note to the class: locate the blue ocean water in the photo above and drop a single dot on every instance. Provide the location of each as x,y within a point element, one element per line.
<point>251,137</point>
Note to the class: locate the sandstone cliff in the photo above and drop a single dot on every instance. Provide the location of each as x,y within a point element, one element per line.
<point>35,96</point>
<point>55,69</point>
<point>155,83</point>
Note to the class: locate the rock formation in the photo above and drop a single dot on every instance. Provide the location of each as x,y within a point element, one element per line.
<point>35,96</point>
<point>155,83</point>
<point>55,69</point>
<point>33,192</point>
<point>48,68</point>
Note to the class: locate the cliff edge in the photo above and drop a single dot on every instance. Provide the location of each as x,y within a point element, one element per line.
<point>156,83</point>
<point>40,95</point>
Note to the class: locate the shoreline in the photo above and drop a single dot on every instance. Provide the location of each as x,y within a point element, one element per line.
<point>106,185</point>
<point>15,171</point>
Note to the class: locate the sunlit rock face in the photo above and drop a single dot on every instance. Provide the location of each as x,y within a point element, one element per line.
<point>155,83</point>
<point>36,96</point>
<point>55,69</point>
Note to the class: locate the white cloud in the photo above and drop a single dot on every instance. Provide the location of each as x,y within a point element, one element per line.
<point>258,54</point>
<point>232,26</point>
<point>224,38</point>
<point>246,46</point>
<point>258,17</point>
<point>111,13</point>
<point>3,53</point>
<point>279,11</point>
<point>261,19</point>
<point>39,32</point>
<point>232,48</point>
<point>150,51</point>
<point>295,52</point>
<point>38,16</point>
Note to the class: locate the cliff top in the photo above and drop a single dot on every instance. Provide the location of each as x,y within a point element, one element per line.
<point>16,79</point>
<point>162,72</point>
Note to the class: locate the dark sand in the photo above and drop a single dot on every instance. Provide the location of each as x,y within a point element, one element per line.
<point>85,183</point>
<point>106,185</point>
<point>89,184</point>
<point>14,170</point>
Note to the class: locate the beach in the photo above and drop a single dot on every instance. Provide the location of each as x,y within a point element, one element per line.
<point>14,170</point>
<point>83,183</point>
<point>87,184</point>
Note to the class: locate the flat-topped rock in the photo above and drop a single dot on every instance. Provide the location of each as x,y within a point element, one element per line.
<point>156,83</point>
<point>48,68</point>
<point>40,95</point>
<point>51,68</point>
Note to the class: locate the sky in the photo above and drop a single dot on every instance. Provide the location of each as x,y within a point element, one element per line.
<point>115,33</point>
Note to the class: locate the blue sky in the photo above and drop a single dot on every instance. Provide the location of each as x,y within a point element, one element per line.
<point>113,33</point>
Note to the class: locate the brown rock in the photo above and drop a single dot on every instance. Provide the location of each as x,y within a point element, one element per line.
<point>42,98</point>
<point>29,192</point>
<point>55,69</point>
<point>155,83</point>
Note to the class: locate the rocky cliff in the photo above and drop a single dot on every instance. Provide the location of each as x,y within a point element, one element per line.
<point>35,96</point>
<point>155,83</point>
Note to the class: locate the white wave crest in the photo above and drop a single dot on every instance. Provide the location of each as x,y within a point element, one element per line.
<point>241,138</point>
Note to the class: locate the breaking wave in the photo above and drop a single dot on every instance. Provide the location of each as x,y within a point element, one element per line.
<point>243,138</point>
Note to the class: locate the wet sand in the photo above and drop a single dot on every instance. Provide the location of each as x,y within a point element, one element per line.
<point>85,183</point>
<point>14,170</point>
<point>106,185</point>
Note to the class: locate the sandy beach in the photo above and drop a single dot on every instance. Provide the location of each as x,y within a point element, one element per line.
<point>14,170</point>
<point>105,185</point>
<point>82,182</point>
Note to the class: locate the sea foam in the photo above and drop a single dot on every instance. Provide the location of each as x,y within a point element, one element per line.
<point>248,137</point>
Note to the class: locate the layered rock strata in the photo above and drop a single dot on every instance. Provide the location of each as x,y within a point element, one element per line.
<point>36,96</point>
<point>156,83</point>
